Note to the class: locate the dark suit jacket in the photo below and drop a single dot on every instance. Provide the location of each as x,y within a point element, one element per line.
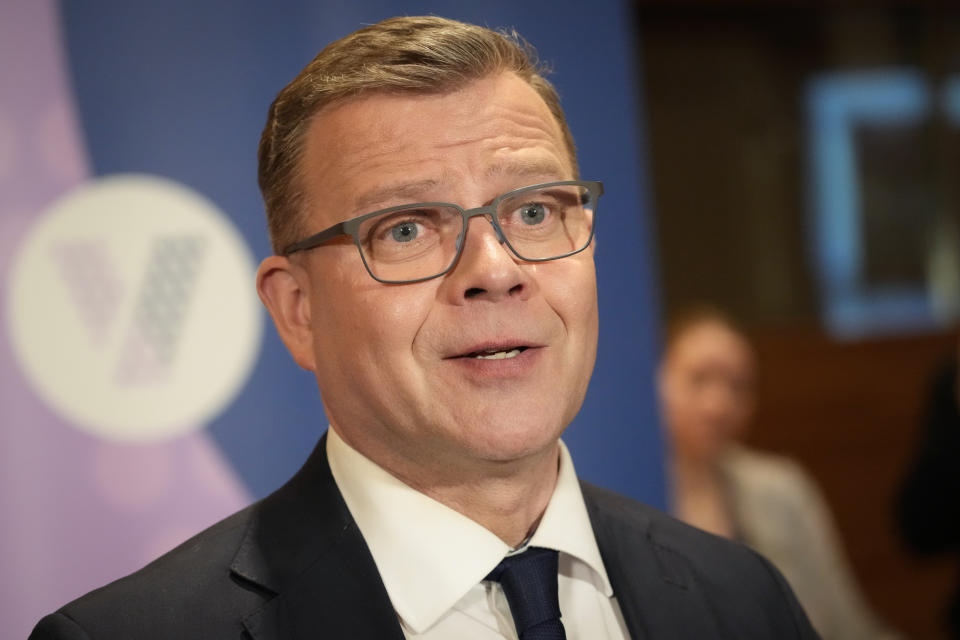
<point>294,566</point>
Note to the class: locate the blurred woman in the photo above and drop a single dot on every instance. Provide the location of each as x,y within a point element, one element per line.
<point>706,385</point>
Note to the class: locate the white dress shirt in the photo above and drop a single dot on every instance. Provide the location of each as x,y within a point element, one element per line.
<point>433,560</point>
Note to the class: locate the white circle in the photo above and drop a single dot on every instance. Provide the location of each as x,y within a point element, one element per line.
<point>132,308</point>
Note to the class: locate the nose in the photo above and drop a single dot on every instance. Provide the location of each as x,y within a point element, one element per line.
<point>486,269</point>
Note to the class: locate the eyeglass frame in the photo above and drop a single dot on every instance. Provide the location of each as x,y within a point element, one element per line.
<point>351,227</point>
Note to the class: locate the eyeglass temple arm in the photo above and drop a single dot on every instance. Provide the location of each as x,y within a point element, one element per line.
<point>317,239</point>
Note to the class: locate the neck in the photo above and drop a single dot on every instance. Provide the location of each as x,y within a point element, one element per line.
<point>699,496</point>
<point>507,498</point>
<point>693,478</point>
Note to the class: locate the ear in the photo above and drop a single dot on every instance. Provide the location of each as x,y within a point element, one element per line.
<point>283,288</point>
<point>593,240</point>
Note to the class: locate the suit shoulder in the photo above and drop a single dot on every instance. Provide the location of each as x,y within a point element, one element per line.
<point>170,594</point>
<point>742,590</point>
<point>703,549</point>
<point>661,526</point>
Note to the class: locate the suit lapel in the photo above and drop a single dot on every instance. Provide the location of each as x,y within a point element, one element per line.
<point>333,598</point>
<point>653,585</point>
<point>303,545</point>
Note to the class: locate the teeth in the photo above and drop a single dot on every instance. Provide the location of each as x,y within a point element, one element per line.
<point>499,355</point>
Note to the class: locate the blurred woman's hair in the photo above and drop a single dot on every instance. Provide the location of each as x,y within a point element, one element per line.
<point>689,317</point>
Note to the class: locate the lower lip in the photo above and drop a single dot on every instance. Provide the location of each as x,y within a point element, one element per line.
<point>503,368</point>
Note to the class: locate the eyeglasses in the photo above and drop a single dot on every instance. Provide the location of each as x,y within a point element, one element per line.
<point>416,242</point>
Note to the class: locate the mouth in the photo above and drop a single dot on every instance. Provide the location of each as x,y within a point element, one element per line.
<point>498,353</point>
<point>497,360</point>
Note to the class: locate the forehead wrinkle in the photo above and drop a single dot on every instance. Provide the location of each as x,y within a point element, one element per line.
<point>510,123</point>
<point>525,126</point>
<point>543,157</point>
<point>357,160</point>
<point>356,157</point>
<point>533,123</point>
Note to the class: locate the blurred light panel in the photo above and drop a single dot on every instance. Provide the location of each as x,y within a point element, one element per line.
<point>951,99</point>
<point>836,104</point>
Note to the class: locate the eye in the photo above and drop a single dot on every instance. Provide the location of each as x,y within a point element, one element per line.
<point>405,231</point>
<point>533,213</point>
<point>400,232</point>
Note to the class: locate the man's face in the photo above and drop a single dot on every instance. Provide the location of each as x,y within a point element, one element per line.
<point>397,365</point>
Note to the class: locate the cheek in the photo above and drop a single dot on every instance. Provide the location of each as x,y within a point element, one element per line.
<point>682,418</point>
<point>365,355</point>
<point>570,287</point>
<point>381,324</point>
<point>676,407</point>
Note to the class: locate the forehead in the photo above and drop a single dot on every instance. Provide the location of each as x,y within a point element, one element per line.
<point>492,127</point>
<point>711,342</point>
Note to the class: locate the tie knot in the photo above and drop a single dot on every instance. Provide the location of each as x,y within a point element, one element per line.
<point>529,582</point>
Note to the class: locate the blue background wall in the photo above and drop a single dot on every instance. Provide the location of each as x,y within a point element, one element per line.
<point>180,90</point>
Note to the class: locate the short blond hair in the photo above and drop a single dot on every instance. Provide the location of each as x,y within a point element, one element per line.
<point>419,55</point>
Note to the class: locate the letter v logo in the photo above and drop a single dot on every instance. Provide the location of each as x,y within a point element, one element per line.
<point>132,309</point>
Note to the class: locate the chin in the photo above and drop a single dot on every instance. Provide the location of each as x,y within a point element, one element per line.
<point>513,442</point>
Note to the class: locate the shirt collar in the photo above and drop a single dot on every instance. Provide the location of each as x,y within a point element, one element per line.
<point>566,527</point>
<point>429,556</point>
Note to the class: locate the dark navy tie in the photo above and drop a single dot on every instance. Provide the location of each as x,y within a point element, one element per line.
<point>529,581</point>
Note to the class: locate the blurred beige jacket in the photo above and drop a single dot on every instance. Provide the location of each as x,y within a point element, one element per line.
<point>781,513</point>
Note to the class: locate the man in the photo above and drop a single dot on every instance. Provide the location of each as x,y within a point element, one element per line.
<point>452,344</point>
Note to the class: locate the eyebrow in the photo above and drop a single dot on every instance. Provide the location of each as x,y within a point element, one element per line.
<point>402,190</point>
<point>412,191</point>
<point>527,169</point>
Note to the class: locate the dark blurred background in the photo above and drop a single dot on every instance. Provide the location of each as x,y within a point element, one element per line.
<point>804,165</point>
